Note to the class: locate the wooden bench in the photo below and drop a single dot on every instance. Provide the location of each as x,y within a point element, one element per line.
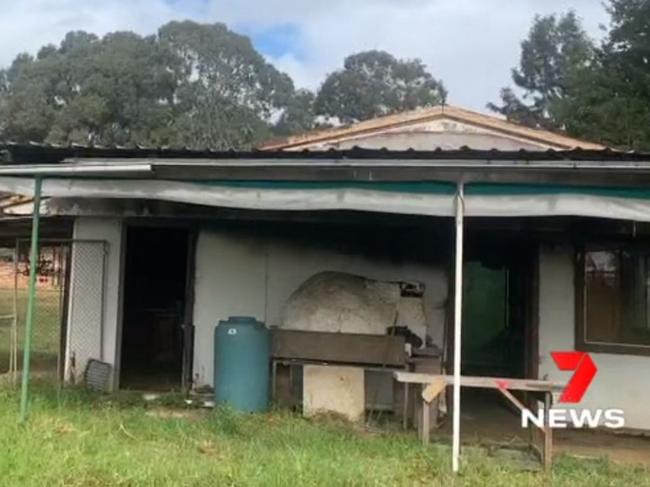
<point>433,385</point>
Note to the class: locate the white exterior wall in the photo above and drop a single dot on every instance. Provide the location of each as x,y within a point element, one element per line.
<point>229,281</point>
<point>240,275</point>
<point>622,380</point>
<point>89,307</point>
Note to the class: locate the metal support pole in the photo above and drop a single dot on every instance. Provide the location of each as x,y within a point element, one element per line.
<point>14,325</point>
<point>458,311</point>
<point>31,300</point>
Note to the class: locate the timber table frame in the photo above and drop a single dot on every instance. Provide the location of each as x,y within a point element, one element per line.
<point>293,362</point>
<point>433,385</point>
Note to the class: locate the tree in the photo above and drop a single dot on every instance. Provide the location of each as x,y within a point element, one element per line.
<point>228,96</point>
<point>553,57</point>
<point>227,64</point>
<point>613,102</point>
<point>298,115</point>
<point>114,90</point>
<point>25,110</point>
<point>206,119</point>
<point>375,83</point>
<point>191,85</point>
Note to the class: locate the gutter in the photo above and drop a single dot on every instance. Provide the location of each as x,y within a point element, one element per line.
<point>371,163</point>
<point>107,169</point>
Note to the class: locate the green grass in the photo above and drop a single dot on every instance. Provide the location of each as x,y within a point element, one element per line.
<point>47,325</point>
<point>78,439</point>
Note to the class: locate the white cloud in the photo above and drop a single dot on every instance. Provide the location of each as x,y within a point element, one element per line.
<point>470,44</point>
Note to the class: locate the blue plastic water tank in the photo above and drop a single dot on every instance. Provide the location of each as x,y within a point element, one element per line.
<point>242,353</point>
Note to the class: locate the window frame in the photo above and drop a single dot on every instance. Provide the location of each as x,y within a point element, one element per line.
<point>581,343</point>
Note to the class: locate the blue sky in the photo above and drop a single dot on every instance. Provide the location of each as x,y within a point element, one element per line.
<point>470,44</point>
<point>275,41</point>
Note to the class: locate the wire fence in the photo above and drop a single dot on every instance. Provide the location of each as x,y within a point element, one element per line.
<point>63,267</point>
<point>8,338</point>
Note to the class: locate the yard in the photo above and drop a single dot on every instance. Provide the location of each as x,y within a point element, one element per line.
<point>78,439</point>
<point>45,344</point>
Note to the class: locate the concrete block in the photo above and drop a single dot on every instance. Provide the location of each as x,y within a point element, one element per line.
<point>334,389</point>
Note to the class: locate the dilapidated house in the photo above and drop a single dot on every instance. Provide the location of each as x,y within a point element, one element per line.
<point>556,244</point>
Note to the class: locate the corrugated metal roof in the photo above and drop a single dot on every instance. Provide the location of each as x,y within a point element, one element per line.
<point>15,153</point>
<point>579,167</point>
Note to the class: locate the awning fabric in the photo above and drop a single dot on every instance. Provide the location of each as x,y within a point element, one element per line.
<point>412,198</point>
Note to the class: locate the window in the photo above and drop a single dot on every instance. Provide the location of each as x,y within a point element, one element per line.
<point>613,305</point>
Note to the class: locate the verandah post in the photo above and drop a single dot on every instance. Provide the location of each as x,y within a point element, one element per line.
<point>458,310</point>
<point>31,299</point>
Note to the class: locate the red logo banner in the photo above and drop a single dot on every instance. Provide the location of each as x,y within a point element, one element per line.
<point>585,371</point>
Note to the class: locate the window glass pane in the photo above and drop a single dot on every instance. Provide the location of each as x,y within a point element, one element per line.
<point>602,296</point>
<point>634,290</point>
<point>617,297</point>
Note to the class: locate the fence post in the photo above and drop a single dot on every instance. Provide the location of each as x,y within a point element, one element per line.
<point>31,299</point>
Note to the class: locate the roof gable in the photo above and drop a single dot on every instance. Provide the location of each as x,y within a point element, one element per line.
<point>448,120</point>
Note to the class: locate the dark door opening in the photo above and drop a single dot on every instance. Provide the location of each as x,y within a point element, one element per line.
<point>498,298</point>
<point>486,334</point>
<point>155,283</point>
<point>496,315</point>
<point>499,328</point>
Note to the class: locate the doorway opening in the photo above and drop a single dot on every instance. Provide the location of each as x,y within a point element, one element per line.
<point>498,331</point>
<point>492,340</point>
<point>497,298</point>
<point>155,283</point>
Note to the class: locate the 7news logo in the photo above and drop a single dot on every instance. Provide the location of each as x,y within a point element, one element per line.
<point>585,371</point>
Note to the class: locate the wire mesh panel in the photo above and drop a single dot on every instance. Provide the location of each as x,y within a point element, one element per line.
<point>68,315</point>
<point>51,271</point>
<point>84,340</point>
<point>8,337</point>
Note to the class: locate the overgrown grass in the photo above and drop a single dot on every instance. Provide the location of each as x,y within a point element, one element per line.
<point>47,327</point>
<point>79,439</point>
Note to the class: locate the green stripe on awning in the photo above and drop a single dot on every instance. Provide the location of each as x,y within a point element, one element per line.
<point>501,189</point>
<point>413,187</point>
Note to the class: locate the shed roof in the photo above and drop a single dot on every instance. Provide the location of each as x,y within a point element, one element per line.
<point>578,182</point>
<point>37,153</point>
<point>577,166</point>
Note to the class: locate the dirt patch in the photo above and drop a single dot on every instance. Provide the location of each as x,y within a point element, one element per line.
<point>618,448</point>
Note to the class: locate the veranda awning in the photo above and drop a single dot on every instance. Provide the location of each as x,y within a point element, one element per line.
<point>411,198</point>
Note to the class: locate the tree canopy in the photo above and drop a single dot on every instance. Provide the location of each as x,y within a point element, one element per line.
<point>203,85</point>
<point>552,56</point>
<point>597,92</point>
<point>191,85</point>
<point>375,83</point>
<point>613,102</point>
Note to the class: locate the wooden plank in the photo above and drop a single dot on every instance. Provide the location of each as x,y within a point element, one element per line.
<point>482,382</point>
<point>431,391</point>
<point>346,348</point>
<point>414,377</point>
<point>508,395</point>
<point>426,421</point>
<point>405,410</point>
<point>548,433</point>
<point>503,385</point>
